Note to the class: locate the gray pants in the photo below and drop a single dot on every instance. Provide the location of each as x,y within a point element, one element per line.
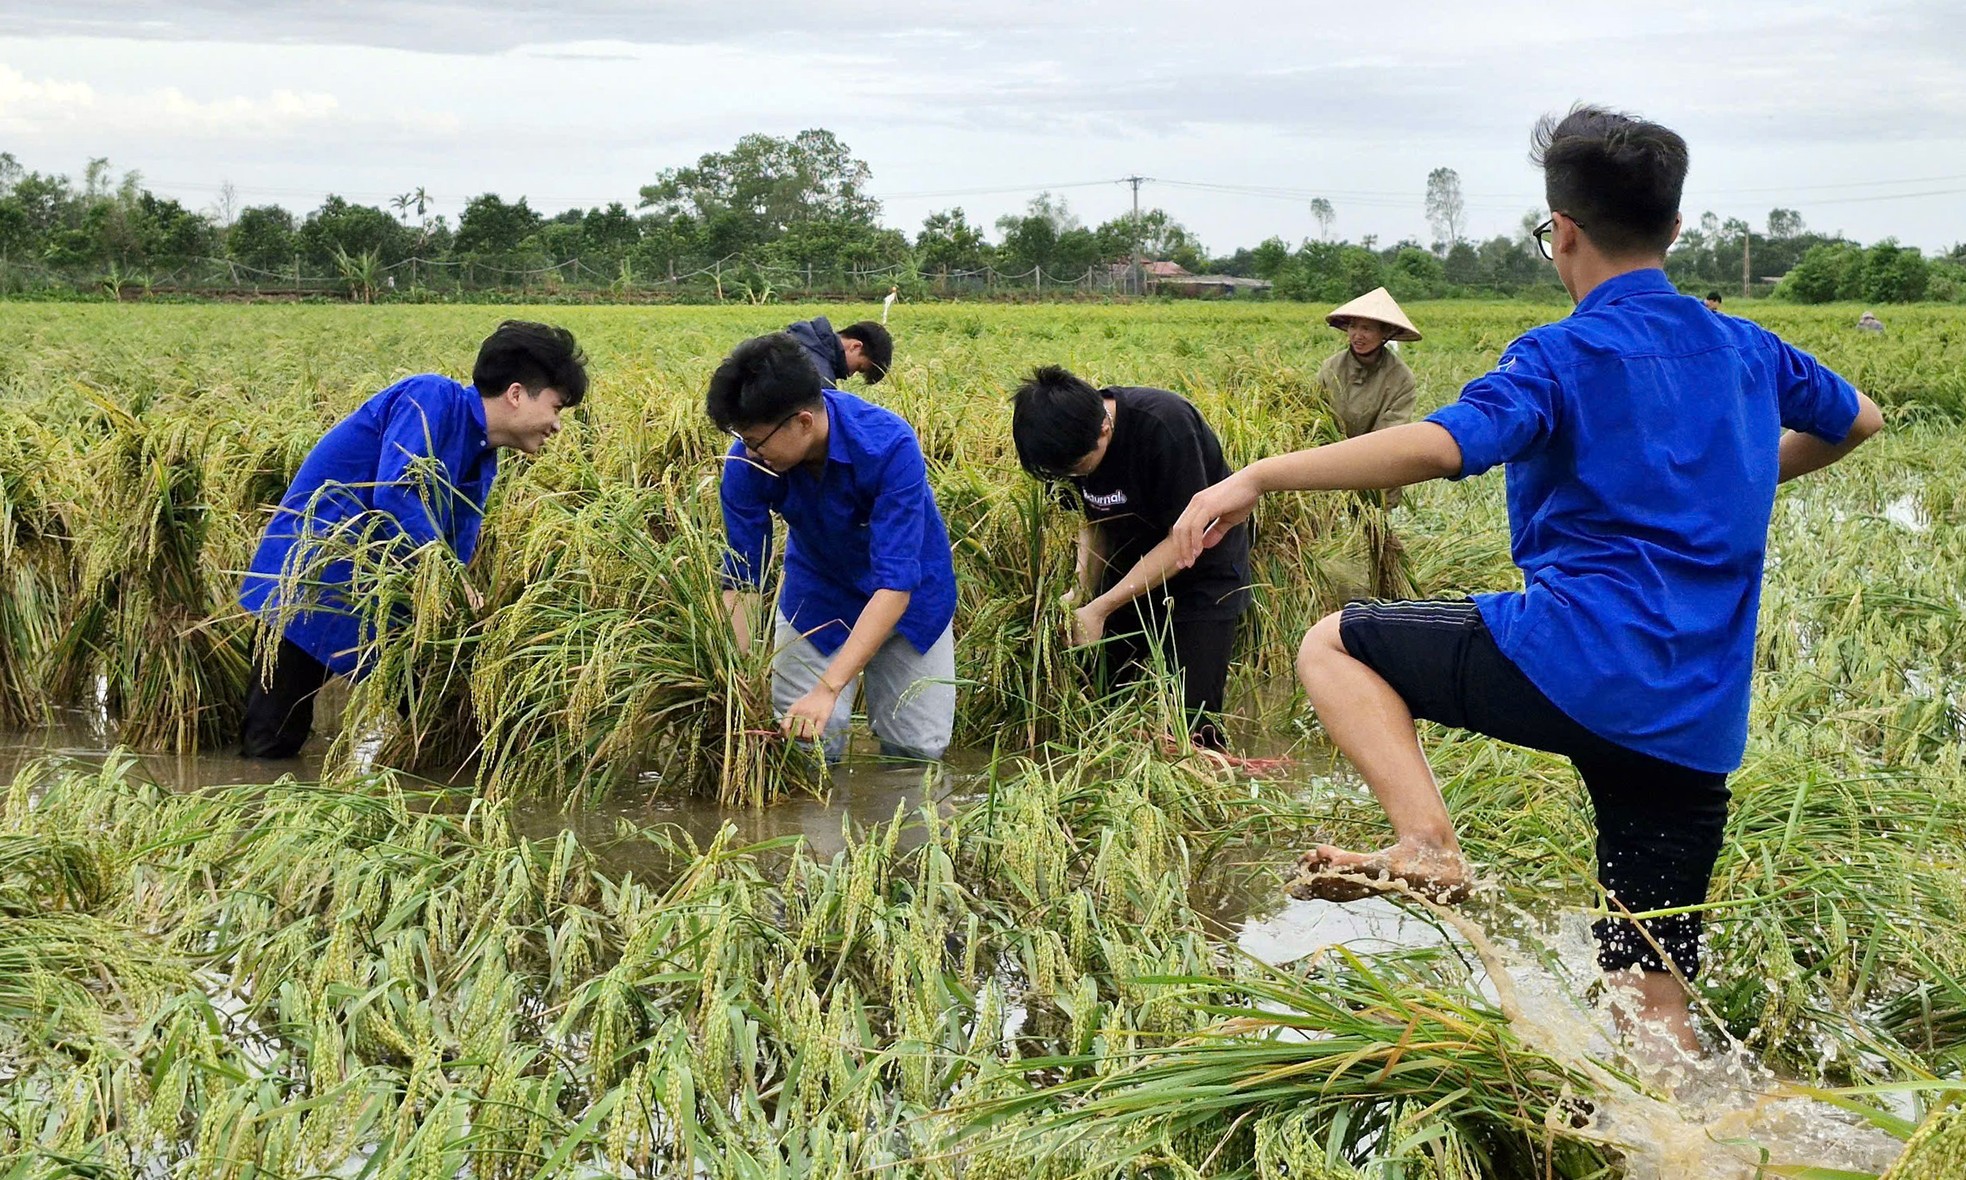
<point>911,695</point>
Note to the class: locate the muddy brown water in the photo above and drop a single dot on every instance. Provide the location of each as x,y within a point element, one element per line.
<point>1239,894</point>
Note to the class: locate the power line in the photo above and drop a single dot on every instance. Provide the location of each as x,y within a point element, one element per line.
<point>1938,192</point>
<point>993,192</point>
<point>1798,188</point>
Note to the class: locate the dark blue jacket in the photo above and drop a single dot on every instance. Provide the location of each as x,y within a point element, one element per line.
<point>823,345</point>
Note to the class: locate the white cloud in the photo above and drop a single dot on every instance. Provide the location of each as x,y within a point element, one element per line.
<point>31,106</point>
<point>581,102</point>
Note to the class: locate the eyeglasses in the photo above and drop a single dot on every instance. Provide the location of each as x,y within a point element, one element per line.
<point>1548,227</point>
<point>755,447</point>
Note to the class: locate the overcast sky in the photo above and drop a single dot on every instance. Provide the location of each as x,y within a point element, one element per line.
<point>1853,113</point>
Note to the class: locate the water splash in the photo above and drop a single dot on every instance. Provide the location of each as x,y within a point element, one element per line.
<point>1720,1116</point>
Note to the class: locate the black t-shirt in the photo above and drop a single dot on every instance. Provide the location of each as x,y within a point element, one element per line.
<point>1161,453</point>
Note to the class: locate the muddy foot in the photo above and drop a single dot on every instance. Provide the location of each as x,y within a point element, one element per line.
<point>1335,874</point>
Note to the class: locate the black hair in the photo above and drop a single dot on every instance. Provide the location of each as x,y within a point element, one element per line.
<point>763,381</point>
<point>1618,177</point>
<point>537,356</point>
<point>1714,295</point>
<point>1054,421</point>
<point>875,342</point>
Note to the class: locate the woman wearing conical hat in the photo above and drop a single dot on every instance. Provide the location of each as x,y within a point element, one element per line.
<point>1369,386</point>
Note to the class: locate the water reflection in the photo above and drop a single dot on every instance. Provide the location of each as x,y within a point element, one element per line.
<point>864,791</point>
<point>86,737</point>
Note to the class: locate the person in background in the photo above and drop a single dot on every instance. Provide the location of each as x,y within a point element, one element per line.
<point>1712,301</point>
<point>1644,443</point>
<point>1869,323</point>
<point>417,460</point>
<point>865,348</point>
<point>869,584</point>
<point>1369,386</point>
<point>1133,457</point>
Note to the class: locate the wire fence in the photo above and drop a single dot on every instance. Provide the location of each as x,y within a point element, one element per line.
<point>733,278</point>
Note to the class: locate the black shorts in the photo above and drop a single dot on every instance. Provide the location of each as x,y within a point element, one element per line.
<point>1659,825</point>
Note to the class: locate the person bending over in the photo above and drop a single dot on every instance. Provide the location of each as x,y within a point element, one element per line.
<point>415,462</point>
<point>865,348</point>
<point>869,583</point>
<point>1133,457</point>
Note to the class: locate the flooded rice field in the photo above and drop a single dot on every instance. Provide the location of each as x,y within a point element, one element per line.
<point>548,900</point>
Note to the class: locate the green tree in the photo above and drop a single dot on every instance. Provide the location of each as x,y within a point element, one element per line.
<point>949,242</point>
<point>764,185</point>
<point>1269,258</point>
<point>1462,266</point>
<point>47,202</point>
<point>490,228</point>
<point>16,234</point>
<point>1322,211</point>
<point>1046,235</point>
<point>339,228</point>
<point>608,235</point>
<point>1509,264</point>
<point>1893,274</point>
<point>263,238</point>
<point>1831,270</point>
<point>170,235</point>
<point>1157,236</point>
<point>1446,210</point>
<point>1784,223</point>
<point>827,244</point>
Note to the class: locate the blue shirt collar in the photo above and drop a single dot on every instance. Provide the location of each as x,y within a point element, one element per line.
<point>1650,280</point>
<point>477,405</point>
<point>836,451</point>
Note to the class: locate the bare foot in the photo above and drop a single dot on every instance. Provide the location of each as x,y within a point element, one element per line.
<point>1335,874</point>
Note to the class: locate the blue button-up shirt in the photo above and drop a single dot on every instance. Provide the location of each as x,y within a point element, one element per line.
<point>372,475</point>
<point>1641,437</point>
<point>867,521</point>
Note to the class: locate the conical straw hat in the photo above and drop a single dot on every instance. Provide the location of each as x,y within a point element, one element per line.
<point>1376,304</point>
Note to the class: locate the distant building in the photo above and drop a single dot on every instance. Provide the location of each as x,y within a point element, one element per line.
<point>1212,286</point>
<point>1171,278</point>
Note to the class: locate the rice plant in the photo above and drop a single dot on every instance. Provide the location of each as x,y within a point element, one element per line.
<point>1037,978</point>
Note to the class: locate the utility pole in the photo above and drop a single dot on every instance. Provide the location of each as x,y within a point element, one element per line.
<point>1136,182</point>
<point>1745,280</point>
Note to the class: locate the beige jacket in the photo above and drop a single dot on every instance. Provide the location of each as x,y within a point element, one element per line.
<point>1368,397</point>
<point>1365,398</point>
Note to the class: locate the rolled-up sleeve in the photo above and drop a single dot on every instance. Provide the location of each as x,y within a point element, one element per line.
<point>1812,398</point>
<point>901,498</point>
<point>1505,414</point>
<point>745,496</point>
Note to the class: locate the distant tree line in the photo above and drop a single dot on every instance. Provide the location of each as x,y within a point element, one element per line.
<point>778,215</point>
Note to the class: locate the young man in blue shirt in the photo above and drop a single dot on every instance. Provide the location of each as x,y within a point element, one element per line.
<point>869,583</point>
<point>1644,437</point>
<point>415,463</point>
